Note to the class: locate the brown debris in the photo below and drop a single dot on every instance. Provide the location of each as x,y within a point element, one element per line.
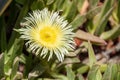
<point>89,37</point>
<point>84,7</point>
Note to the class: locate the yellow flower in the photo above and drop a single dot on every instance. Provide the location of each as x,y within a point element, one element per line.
<point>47,33</point>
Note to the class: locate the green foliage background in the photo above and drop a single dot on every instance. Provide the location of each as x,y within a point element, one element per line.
<point>13,55</point>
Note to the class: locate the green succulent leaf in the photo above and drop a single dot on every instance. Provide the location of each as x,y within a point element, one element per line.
<point>78,21</point>
<point>80,77</point>
<point>50,2</point>
<point>104,15</point>
<point>37,71</point>
<point>94,11</point>
<point>70,73</point>
<point>94,73</point>
<point>93,3</point>
<point>111,34</point>
<point>92,58</point>
<point>83,69</point>
<point>11,54</point>
<point>15,68</point>
<point>80,4</point>
<point>112,72</point>
<point>38,4</point>
<point>71,11</point>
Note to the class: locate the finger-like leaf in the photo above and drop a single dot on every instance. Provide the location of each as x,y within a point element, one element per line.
<point>38,4</point>
<point>89,37</point>
<point>14,34</point>
<point>10,55</point>
<point>111,34</point>
<point>80,77</point>
<point>93,3</point>
<point>78,21</point>
<point>83,69</point>
<point>118,72</point>
<point>92,58</point>
<point>70,73</point>
<point>37,71</point>
<point>104,15</point>
<point>58,5</point>
<point>14,68</point>
<point>102,23</point>
<point>49,2</point>
<point>106,7</point>
<point>80,4</point>
<point>72,10</point>
<point>111,72</point>
<point>98,75</point>
<point>91,13</point>
<point>67,10</point>
<point>59,77</point>
<point>94,73</point>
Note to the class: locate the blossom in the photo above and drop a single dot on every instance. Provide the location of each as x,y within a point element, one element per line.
<point>46,33</point>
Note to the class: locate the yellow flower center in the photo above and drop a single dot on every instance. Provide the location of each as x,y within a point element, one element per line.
<point>49,37</point>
